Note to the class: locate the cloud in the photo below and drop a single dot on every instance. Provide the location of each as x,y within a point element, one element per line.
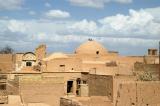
<point>154,12</point>
<point>96,3</point>
<point>131,25</point>
<point>123,1</point>
<point>47,4</point>
<point>32,13</point>
<point>17,26</point>
<point>57,14</point>
<point>119,32</point>
<point>85,26</point>
<point>10,4</point>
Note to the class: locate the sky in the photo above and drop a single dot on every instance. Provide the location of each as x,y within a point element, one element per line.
<point>127,26</point>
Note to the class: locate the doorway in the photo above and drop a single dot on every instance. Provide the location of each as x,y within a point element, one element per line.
<point>69,86</point>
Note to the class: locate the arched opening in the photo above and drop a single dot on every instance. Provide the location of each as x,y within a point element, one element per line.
<point>28,64</point>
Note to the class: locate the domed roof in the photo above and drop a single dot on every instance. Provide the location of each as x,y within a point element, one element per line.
<point>91,47</point>
<point>55,56</point>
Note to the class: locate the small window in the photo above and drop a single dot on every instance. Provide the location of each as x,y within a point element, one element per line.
<point>62,67</point>
<point>3,87</point>
<point>153,52</point>
<point>28,64</point>
<point>97,52</point>
<point>3,77</point>
<point>69,86</point>
<point>84,82</point>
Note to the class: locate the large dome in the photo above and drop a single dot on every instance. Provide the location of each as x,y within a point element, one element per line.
<point>91,47</point>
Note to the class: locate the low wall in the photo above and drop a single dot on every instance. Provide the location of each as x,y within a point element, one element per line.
<point>35,89</point>
<point>138,94</point>
<point>69,102</point>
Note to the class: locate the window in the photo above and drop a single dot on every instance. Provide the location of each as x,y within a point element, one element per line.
<point>84,82</point>
<point>62,67</point>
<point>3,77</point>
<point>69,86</point>
<point>28,64</point>
<point>3,87</point>
<point>97,52</point>
<point>154,52</point>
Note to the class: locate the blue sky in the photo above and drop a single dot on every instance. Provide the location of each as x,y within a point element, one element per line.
<point>127,26</point>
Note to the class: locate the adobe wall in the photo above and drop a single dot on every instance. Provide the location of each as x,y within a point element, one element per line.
<point>151,59</point>
<point>54,65</point>
<point>117,80</point>
<point>38,89</point>
<point>125,64</point>
<point>69,102</point>
<point>7,62</point>
<point>13,87</point>
<point>67,76</point>
<point>86,67</point>
<point>138,94</point>
<point>140,68</point>
<point>100,85</point>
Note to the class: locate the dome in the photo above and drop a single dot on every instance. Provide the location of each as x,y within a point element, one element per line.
<point>29,56</point>
<point>91,47</point>
<point>55,56</point>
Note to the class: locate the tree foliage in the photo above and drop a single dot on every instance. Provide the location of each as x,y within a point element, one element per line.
<point>6,50</point>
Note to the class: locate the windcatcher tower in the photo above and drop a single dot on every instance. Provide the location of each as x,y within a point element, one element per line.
<point>40,52</point>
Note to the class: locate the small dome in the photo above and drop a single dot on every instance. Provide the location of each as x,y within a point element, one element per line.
<point>55,56</point>
<point>29,56</point>
<point>91,47</point>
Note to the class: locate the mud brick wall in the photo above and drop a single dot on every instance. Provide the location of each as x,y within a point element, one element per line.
<point>138,94</point>
<point>42,90</point>
<point>139,68</point>
<point>7,62</point>
<point>13,87</point>
<point>100,85</point>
